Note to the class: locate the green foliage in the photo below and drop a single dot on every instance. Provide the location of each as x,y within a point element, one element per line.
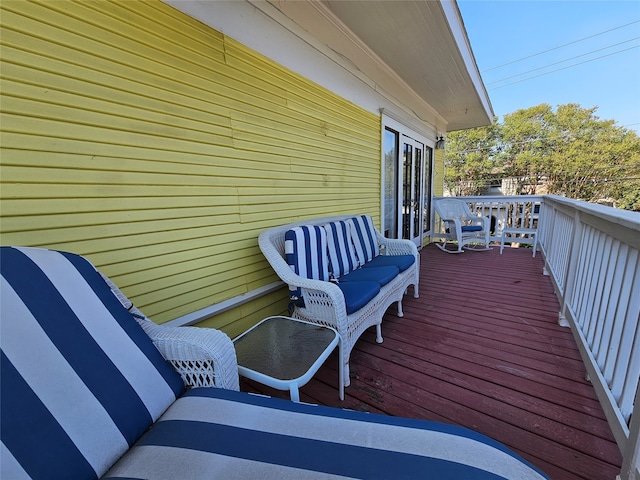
<point>569,152</point>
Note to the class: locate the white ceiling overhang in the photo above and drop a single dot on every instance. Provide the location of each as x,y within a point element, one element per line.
<point>421,45</point>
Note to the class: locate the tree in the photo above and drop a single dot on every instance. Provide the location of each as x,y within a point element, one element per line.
<point>470,159</point>
<point>569,152</point>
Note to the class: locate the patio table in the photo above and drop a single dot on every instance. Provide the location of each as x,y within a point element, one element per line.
<point>524,233</point>
<point>285,353</point>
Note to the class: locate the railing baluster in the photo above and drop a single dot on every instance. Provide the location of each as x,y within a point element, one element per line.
<point>624,331</point>
<point>611,248</point>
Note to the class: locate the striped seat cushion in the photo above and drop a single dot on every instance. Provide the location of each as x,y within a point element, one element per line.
<point>81,381</point>
<point>212,433</point>
<point>364,238</point>
<point>305,251</point>
<point>366,245</point>
<point>342,255</point>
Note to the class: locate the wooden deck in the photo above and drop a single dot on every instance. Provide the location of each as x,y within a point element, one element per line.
<point>481,348</point>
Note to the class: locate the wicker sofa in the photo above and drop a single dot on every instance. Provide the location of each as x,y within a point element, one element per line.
<point>87,393</point>
<point>334,296</point>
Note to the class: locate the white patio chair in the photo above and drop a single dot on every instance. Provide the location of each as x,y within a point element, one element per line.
<point>463,228</point>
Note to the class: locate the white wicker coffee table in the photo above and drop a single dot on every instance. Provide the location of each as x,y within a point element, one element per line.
<point>285,353</point>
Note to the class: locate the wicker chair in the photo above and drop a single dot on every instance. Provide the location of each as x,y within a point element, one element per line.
<point>462,228</point>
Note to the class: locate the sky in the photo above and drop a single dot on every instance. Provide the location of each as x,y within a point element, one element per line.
<point>535,37</point>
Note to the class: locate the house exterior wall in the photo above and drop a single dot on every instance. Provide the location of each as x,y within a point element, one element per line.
<point>160,149</point>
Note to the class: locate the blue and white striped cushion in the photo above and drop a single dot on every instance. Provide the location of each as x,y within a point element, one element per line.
<point>305,250</point>
<point>364,238</point>
<point>342,255</point>
<point>81,381</point>
<point>214,433</point>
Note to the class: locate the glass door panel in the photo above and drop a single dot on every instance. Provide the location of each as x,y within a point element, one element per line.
<point>407,190</point>
<point>412,189</point>
<point>390,189</point>
<point>416,197</point>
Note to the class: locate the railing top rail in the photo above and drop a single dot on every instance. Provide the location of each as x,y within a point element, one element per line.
<point>625,218</point>
<point>500,198</point>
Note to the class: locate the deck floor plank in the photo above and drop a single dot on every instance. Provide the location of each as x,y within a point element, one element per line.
<point>481,348</point>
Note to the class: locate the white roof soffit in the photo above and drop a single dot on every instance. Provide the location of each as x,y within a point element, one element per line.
<point>422,42</point>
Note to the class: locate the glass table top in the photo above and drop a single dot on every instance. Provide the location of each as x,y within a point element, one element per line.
<point>282,348</point>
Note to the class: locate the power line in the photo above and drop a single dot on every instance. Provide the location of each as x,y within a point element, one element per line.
<point>562,61</point>
<point>560,46</point>
<point>564,68</point>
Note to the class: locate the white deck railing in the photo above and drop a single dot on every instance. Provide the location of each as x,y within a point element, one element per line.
<point>518,211</point>
<point>592,254</point>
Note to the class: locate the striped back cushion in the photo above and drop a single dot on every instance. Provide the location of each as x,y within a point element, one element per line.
<point>81,381</point>
<point>305,251</point>
<point>342,255</point>
<point>364,238</point>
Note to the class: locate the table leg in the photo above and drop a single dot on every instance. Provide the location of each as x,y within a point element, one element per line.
<point>295,393</point>
<point>340,369</point>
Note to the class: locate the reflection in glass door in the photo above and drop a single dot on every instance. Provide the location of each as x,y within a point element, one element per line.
<point>390,185</point>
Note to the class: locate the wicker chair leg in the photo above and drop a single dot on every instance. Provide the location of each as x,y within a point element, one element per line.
<point>347,380</point>
<point>379,333</point>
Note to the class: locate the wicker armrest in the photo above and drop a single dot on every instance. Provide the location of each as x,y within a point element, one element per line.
<point>486,223</point>
<point>398,247</point>
<point>325,300</point>
<point>204,357</point>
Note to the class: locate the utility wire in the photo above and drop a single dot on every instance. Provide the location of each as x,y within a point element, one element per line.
<point>560,46</point>
<point>564,68</point>
<point>562,61</point>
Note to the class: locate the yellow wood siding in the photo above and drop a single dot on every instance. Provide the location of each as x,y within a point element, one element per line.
<point>160,149</point>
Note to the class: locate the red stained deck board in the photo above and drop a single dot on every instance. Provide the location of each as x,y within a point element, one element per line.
<point>473,410</point>
<point>503,381</point>
<point>481,348</point>
<point>493,398</point>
